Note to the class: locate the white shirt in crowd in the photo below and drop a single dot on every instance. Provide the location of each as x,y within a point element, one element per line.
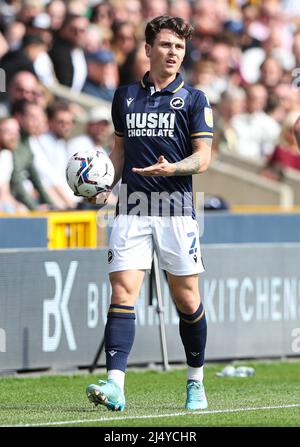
<point>256,134</point>
<point>80,69</point>
<point>50,159</point>
<point>76,144</point>
<point>6,166</point>
<point>43,68</point>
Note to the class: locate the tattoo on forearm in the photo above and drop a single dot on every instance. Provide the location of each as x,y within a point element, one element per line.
<point>188,166</point>
<point>192,164</point>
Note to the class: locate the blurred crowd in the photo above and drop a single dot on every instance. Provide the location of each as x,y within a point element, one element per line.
<point>245,55</point>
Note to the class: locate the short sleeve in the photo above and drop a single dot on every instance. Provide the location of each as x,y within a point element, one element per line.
<point>117,114</point>
<point>201,116</point>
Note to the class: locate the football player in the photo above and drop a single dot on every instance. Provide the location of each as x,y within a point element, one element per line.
<point>163,136</point>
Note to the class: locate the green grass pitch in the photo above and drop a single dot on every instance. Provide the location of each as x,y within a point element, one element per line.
<point>156,399</point>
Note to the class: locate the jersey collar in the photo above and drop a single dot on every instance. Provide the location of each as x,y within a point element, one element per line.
<point>173,87</point>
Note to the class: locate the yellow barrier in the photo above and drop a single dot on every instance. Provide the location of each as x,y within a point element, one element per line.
<point>72,229</point>
<point>264,209</point>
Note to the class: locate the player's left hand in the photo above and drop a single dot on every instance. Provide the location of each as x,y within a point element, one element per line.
<point>161,168</point>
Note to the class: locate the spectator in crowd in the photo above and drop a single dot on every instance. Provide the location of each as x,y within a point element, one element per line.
<point>232,103</point>
<point>119,11</point>
<point>9,139</point>
<point>56,10</point>
<point>30,9</point>
<point>41,26</point>
<point>24,85</point>
<point>135,65</point>
<point>8,11</point>
<point>271,72</point>
<point>221,56</point>
<point>3,45</point>
<point>296,130</point>
<point>78,7</point>
<point>103,76</point>
<point>286,153</point>
<point>256,131</point>
<point>43,96</point>
<point>270,17</point>
<point>154,8</point>
<point>203,77</point>
<point>274,108</point>
<point>208,18</point>
<point>14,33</point>
<point>32,194</point>
<point>67,52</point>
<point>24,58</point>
<point>51,154</point>
<point>289,97</point>
<point>135,16</point>
<point>102,15</point>
<point>296,49</point>
<point>97,39</point>
<point>129,12</point>
<point>249,14</point>
<point>181,8</point>
<point>123,41</point>
<point>275,46</point>
<point>291,10</point>
<point>42,64</point>
<point>280,45</point>
<point>98,132</point>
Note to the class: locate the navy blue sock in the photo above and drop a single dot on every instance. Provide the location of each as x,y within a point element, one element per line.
<point>193,331</point>
<point>119,336</point>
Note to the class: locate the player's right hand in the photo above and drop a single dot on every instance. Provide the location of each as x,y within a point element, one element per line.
<point>100,199</point>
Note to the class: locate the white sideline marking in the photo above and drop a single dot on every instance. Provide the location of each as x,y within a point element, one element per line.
<point>152,416</point>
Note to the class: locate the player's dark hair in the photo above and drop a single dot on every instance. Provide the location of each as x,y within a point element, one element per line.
<point>176,24</point>
<point>56,107</point>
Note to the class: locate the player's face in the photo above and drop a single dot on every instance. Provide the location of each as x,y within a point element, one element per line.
<point>166,54</point>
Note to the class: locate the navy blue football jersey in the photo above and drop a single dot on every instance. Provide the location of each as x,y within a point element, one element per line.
<point>155,123</point>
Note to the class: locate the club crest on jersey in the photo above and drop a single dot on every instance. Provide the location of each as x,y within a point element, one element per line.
<point>177,102</point>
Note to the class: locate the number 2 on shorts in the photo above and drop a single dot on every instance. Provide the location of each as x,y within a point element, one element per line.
<point>193,248</point>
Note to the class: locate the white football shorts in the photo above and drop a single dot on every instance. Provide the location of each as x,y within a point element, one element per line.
<point>175,240</point>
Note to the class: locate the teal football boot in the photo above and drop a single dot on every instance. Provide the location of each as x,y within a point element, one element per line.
<point>107,393</point>
<point>195,396</point>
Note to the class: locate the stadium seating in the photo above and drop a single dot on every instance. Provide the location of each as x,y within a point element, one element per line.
<point>241,187</point>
